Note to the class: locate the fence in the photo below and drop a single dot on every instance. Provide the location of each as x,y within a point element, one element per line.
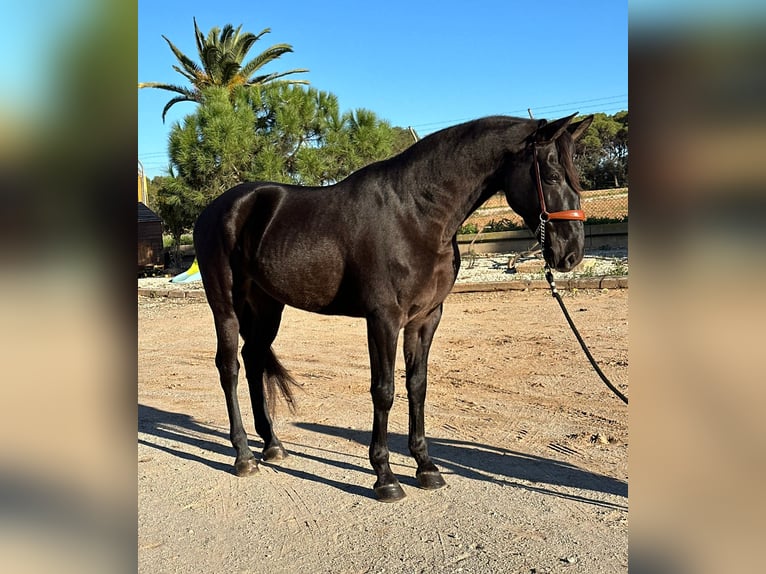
<point>600,206</point>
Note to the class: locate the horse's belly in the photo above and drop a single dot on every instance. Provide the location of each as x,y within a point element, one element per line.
<point>299,273</point>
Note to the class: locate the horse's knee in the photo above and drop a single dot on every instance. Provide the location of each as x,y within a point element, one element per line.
<point>382,396</point>
<point>227,365</point>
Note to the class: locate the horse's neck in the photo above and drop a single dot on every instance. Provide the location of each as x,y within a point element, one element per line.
<point>450,195</point>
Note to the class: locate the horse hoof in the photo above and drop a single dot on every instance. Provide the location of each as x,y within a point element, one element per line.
<point>430,480</point>
<point>274,453</point>
<point>389,492</point>
<point>247,467</point>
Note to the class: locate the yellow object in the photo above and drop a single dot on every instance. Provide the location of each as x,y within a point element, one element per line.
<point>190,275</point>
<point>142,195</point>
<point>194,268</point>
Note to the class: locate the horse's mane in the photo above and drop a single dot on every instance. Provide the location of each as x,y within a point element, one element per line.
<point>565,146</point>
<point>445,138</point>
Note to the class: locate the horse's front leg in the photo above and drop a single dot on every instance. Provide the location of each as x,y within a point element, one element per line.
<point>381,338</point>
<point>417,343</point>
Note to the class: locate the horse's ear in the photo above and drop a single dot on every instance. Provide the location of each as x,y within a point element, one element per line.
<point>549,131</point>
<point>577,129</point>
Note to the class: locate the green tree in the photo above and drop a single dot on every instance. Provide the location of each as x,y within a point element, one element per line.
<point>618,149</point>
<point>304,139</point>
<point>602,152</point>
<point>221,56</point>
<point>292,127</point>
<point>403,138</point>
<point>212,149</point>
<point>280,133</point>
<point>151,191</point>
<point>179,206</point>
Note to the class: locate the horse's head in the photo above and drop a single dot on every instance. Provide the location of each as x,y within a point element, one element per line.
<point>543,187</point>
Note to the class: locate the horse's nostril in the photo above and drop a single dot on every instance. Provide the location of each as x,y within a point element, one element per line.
<point>571,260</point>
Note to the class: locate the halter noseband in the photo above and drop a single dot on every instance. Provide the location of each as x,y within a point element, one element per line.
<point>545,215</point>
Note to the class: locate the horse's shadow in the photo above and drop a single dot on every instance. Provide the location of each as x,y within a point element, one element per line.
<point>495,464</point>
<point>182,428</point>
<point>476,461</point>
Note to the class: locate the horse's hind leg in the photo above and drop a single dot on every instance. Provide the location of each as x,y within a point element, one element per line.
<point>259,323</point>
<point>227,332</point>
<point>417,343</point>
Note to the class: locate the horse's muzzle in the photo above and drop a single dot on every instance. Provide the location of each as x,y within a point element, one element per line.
<point>569,262</point>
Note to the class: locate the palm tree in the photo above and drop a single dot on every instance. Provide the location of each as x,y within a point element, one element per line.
<point>221,54</point>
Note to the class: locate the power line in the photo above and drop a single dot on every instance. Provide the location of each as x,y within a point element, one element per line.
<point>616,102</point>
<point>606,104</point>
<point>611,101</point>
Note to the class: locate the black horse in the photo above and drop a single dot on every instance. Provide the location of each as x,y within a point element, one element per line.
<point>381,245</point>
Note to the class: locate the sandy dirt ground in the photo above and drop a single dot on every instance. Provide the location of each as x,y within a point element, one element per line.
<point>531,443</point>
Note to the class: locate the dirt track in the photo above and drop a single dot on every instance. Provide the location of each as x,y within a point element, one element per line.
<point>532,445</point>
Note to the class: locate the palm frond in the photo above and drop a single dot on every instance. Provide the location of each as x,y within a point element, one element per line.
<point>262,33</point>
<point>265,57</point>
<point>221,53</point>
<point>229,36</point>
<point>161,86</point>
<point>186,74</point>
<point>172,102</point>
<point>211,56</point>
<point>228,32</point>
<point>198,37</point>
<point>212,35</point>
<point>185,61</point>
<point>231,73</point>
<point>267,78</point>
<point>239,50</point>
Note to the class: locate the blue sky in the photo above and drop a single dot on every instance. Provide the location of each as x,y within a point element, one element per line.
<point>426,64</point>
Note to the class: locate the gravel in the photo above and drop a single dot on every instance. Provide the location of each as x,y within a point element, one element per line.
<point>483,268</point>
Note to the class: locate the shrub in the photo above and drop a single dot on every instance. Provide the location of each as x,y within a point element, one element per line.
<point>504,224</point>
<point>603,220</point>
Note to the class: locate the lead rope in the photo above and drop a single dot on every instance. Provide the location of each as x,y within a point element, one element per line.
<point>557,296</point>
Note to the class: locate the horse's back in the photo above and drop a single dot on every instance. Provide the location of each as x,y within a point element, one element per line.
<point>219,231</point>
<point>282,238</point>
<point>347,249</point>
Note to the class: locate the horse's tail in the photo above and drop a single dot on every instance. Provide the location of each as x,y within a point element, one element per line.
<point>276,378</point>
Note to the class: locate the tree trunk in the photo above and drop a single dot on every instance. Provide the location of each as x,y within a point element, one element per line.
<point>176,250</point>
